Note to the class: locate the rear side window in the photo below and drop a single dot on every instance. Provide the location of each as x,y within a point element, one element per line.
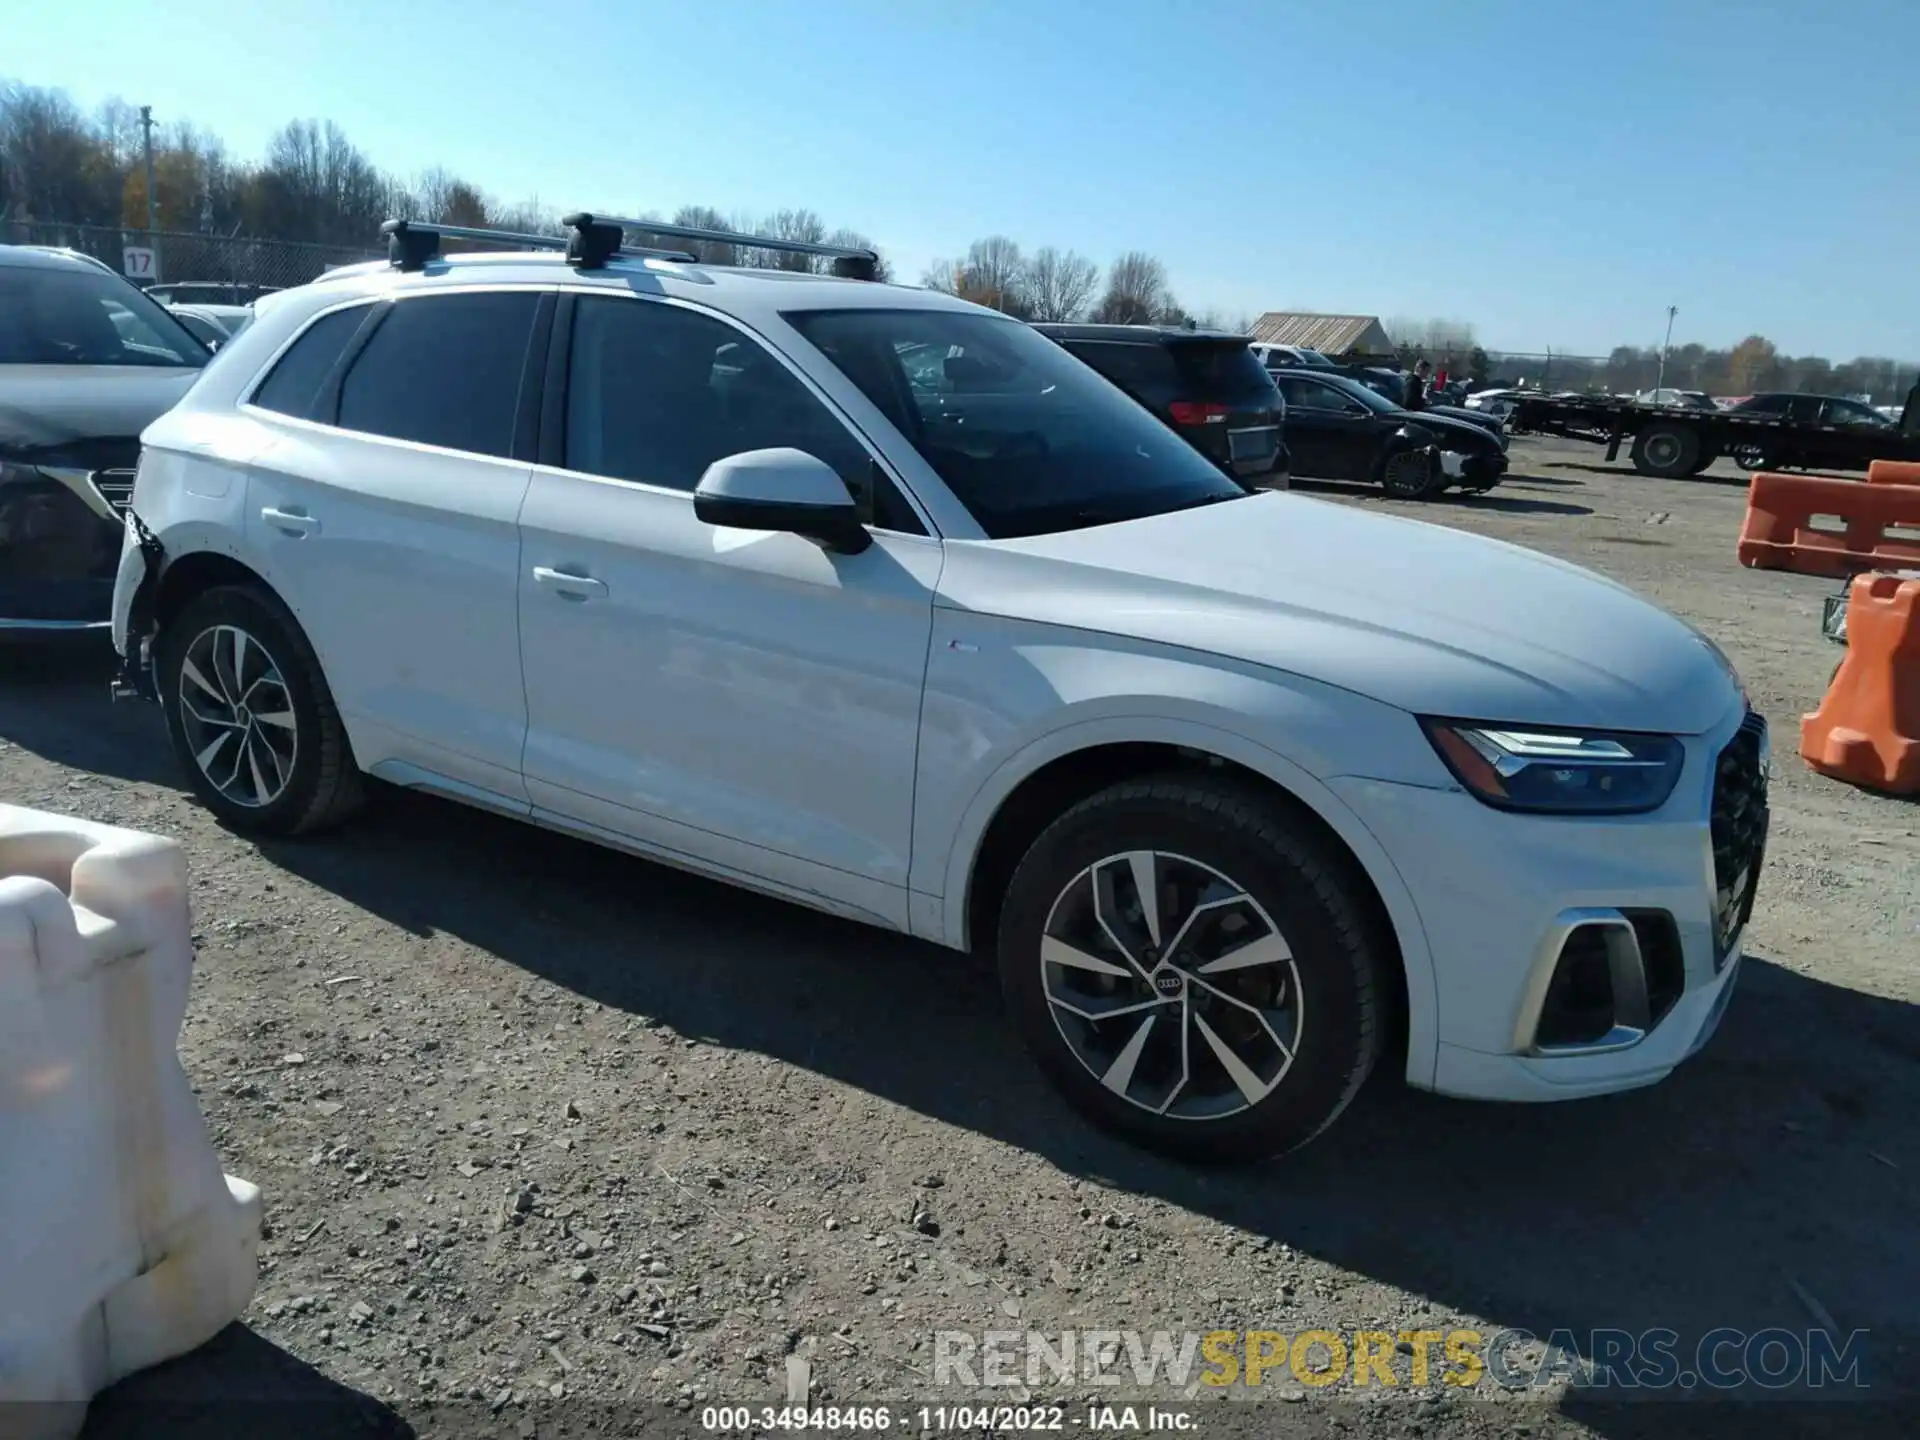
<point>294,383</point>
<point>444,370</point>
<point>1304,394</point>
<point>1224,372</point>
<point>1139,369</point>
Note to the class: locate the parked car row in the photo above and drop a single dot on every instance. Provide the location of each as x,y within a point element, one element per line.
<point>884,603</point>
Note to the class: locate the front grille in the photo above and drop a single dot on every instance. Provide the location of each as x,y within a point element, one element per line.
<point>1739,831</point>
<point>115,487</point>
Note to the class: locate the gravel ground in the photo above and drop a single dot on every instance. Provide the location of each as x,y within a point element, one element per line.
<point>555,1140</point>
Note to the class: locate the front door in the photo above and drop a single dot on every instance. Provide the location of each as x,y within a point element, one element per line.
<point>1329,434</point>
<point>746,700</point>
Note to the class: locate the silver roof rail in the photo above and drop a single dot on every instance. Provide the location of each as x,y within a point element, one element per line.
<point>596,239</point>
<point>597,232</point>
<point>411,244</point>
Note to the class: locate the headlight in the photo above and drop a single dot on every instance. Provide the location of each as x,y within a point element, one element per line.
<point>1558,772</point>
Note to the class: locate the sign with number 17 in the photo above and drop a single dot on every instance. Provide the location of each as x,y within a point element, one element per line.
<point>140,262</point>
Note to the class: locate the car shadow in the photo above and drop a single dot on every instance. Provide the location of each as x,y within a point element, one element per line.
<point>1623,470</point>
<point>238,1384</point>
<point>54,703</point>
<point>1760,1165</point>
<point>1776,1165</point>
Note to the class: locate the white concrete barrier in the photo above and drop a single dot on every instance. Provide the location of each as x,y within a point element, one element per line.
<point>121,1242</point>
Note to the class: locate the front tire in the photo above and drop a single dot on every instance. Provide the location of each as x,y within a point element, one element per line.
<point>1411,475</point>
<point>251,717</point>
<point>1194,968</point>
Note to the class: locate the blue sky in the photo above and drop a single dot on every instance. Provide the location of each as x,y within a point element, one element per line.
<point>1556,173</point>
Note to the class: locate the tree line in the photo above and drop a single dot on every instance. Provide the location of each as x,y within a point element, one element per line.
<point>58,163</point>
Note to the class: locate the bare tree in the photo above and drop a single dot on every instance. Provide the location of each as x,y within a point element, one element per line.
<point>705,217</point>
<point>1136,291</point>
<point>854,240</point>
<point>1058,284</point>
<point>942,275</point>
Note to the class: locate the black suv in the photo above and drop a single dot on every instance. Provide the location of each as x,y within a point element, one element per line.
<point>1207,385</point>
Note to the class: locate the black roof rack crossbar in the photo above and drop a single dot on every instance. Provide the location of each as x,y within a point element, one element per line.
<point>411,244</point>
<point>593,233</point>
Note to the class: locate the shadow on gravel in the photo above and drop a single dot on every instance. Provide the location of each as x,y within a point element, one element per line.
<point>1783,1156</point>
<point>238,1385</point>
<point>53,702</point>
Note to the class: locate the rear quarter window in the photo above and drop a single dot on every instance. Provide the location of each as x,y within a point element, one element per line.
<point>295,380</point>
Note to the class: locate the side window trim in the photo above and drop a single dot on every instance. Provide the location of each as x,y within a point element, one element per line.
<point>325,409</point>
<point>559,384</point>
<point>529,413</point>
<point>250,396</point>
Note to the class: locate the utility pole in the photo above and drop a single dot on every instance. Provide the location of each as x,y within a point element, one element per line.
<point>146,126</point>
<point>1660,382</point>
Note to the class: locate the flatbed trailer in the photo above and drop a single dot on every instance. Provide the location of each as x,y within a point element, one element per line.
<point>1674,442</point>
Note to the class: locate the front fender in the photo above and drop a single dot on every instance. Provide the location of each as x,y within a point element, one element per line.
<point>1055,695</point>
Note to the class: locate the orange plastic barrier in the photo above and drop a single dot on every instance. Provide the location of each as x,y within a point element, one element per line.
<point>1893,472</point>
<point>1779,533</point>
<point>1867,729</point>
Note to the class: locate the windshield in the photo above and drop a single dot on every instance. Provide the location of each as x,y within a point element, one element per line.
<point>1031,440</point>
<point>87,317</point>
<point>1347,385</point>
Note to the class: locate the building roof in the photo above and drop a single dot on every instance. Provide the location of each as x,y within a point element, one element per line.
<point>1329,334</point>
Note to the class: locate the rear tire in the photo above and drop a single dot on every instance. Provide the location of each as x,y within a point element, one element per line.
<point>1754,457</point>
<point>1132,1014</point>
<point>251,717</point>
<point>1668,452</point>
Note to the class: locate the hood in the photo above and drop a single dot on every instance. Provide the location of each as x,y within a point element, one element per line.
<point>1450,430</point>
<point>1460,413</point>
<point>1428,619</point>
<point>55,408</point>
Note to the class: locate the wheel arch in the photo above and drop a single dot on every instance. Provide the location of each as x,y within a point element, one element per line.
<point>196,572</point>
<point>1034,786</point>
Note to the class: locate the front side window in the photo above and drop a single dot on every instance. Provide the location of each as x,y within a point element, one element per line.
<point>444,370</point>
<point>87,317</point>
<point>1030,440</point>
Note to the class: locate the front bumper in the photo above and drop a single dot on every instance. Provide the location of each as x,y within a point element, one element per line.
<point>1498,894</point>
<point>59,545</point>
<point>1478,471</point>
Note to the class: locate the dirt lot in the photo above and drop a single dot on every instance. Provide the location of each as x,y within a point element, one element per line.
<point>542,1128</point>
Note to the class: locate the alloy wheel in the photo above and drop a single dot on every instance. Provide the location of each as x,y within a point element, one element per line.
<point>1171,985</point>
<point>1407,473</point>
<point>238,716</point>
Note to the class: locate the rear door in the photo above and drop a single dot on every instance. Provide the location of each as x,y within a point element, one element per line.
<point>387,515</point>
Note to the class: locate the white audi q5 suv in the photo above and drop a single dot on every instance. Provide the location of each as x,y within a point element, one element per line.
<point>1242,790</point>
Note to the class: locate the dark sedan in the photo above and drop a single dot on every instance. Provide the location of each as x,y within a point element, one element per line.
<point>1339,429</point>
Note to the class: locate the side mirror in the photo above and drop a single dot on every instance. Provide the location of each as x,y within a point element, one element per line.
<point>781,489</point>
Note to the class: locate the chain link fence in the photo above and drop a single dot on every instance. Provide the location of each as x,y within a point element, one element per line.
<point>179,256</point>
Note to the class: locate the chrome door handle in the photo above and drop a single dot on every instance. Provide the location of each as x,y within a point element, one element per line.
<point>570,587</point>
<point>290,522</point>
